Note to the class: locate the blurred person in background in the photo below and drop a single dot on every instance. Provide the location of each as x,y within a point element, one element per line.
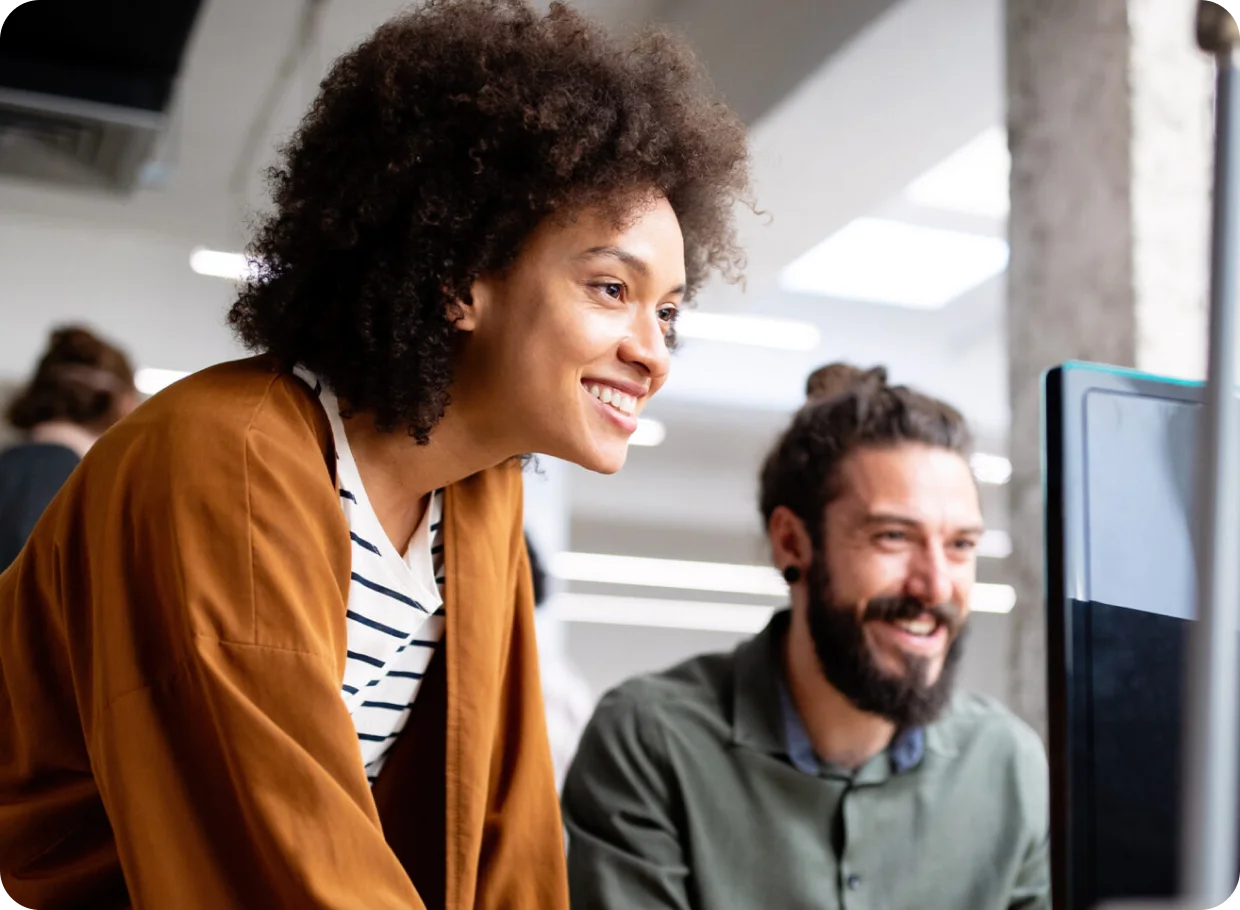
<point>273,645</point>
<point>827,762</point>
<point>566,694</point>
<point>81,387</point>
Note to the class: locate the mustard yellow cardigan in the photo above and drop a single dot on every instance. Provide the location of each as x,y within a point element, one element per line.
<point>172,644</point>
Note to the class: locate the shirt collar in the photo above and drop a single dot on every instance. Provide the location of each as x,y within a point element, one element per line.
<point>756,675</point>
<point>766,719</point>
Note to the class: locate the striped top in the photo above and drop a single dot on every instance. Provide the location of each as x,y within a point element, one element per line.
<point>395,616</point>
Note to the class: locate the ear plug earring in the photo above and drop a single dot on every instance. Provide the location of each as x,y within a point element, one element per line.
<point>792,574</point>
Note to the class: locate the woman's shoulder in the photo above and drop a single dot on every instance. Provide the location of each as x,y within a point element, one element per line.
<point>231,401</point>
<point>211,426</point>
<point>238,397</point>
<point>38,458</point>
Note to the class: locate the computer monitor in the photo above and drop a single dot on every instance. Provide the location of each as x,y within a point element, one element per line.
<point>1120,481</point>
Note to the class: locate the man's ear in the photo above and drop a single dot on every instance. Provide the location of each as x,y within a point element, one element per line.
<point>791,544</point>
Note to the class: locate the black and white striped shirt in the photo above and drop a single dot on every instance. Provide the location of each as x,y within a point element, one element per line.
<point>395,616</point>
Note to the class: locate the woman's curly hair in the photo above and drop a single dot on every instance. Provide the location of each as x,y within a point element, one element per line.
<point>432,152</point>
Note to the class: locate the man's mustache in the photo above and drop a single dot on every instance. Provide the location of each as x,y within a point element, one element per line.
<point>898,607</point>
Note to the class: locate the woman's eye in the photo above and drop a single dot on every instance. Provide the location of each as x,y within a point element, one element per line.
<point>668,314</point>
<point>612,289</point>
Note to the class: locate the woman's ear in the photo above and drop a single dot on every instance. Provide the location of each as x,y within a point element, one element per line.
<point>465,313</point>
<point>462,314</point>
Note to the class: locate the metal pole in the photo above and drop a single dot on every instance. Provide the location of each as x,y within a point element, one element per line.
<point>1208,843</point>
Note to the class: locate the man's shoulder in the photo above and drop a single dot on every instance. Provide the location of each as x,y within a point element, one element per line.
<point>980,722</point>
<point>695,692</point>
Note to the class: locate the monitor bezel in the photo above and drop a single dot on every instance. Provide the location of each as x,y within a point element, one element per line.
<point>1065,507</point>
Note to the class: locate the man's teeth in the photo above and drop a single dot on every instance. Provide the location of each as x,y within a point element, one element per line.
<point>623,403</point>
<point>917,626</point>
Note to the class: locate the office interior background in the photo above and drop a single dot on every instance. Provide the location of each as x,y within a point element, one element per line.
<point>880,236</point>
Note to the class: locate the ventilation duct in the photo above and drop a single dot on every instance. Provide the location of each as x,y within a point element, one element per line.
<point>86,89</point>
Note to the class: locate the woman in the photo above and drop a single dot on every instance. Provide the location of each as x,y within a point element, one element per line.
<point>274,644</point>
<point>81,387</point>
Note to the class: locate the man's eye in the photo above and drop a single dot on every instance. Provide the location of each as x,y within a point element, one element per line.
<point>892,536</point>
<point>668,314</point>
<point>967,544</point>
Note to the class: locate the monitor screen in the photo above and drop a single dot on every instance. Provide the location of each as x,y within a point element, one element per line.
<point>1120,481</point>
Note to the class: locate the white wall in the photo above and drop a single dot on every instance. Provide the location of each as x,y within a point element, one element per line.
<point>134,287</point>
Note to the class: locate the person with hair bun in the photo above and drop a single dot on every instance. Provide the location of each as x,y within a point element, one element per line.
<point>81,386</point>
<point>828,761</point>
<point>273,646</point>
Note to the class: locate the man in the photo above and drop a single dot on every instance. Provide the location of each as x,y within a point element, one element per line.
<point>826,763</point>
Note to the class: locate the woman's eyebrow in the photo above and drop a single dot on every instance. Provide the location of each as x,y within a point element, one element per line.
<point>636,263</point>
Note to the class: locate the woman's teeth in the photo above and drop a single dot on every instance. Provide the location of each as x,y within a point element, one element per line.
<point>623,403</point>
<point>922,627</point>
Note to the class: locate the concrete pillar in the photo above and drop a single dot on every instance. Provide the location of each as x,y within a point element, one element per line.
<point>1109,125</point>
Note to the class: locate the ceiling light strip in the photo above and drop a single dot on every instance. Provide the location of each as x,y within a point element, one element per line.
<point>756,331</point>
<point>876,260</point>
<point>723,578</point>
<point>747,619</point>
<point>148,381</point>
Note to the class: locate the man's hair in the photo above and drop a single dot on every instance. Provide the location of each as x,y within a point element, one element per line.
<point>80,378</point>
<point>849,409</point>
<point>432,152</point>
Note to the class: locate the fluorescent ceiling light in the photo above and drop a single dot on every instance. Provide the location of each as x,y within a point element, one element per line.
<point>747,619</point>
<point>649,432</point>
<point>995,545</point>
<point>640,571</point>
<point>668,573</point>
<point>216,264</point>
<point>783,334</point>
<point>661,614</point>
<point>149,381</point>
<point>989,598</point>
<point>992,469</point>
<point>972,180</point>
<point>879,261</point>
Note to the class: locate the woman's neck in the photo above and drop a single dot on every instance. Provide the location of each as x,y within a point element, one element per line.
<point>64,433</point>
<point>841,733</point>
<point>399,475</point>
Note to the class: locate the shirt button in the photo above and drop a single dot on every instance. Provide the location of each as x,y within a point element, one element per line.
<point>854,882</point>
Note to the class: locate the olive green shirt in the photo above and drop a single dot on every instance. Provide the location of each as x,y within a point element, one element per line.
<point>684,795</point>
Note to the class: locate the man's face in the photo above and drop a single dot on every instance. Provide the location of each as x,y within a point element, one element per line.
<point>888,592</point>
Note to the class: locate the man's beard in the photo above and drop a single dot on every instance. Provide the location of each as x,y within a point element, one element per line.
<point>908,699</point>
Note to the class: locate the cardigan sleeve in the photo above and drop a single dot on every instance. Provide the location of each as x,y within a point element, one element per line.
<point>224,755</point>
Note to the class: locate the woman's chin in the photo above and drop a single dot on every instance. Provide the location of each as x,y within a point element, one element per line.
<point>603,458</point>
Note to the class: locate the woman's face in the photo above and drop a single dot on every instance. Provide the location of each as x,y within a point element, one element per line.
<point>563,350</point>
